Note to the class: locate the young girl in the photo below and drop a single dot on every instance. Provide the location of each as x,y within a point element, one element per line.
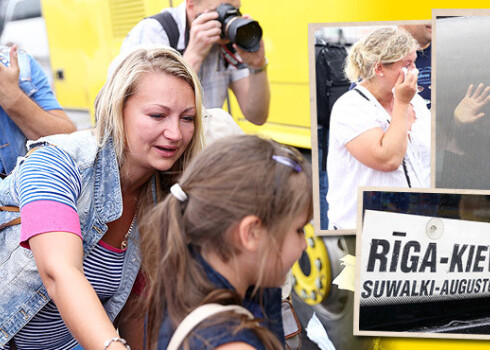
<point>228,234</point>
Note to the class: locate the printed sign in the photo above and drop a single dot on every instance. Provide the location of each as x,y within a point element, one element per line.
<point>411,258</point>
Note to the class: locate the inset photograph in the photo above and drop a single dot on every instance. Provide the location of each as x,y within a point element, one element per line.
<point>371,113</point>
<point>423,264</point>
<point>462,94</point>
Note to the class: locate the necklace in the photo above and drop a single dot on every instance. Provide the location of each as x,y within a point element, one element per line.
<point>124,243</point>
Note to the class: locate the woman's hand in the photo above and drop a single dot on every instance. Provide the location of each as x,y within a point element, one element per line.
<point>406,86</point>
<point>467,111</point>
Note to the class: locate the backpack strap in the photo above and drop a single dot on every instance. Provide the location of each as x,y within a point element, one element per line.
<point>197,316</point>
<point>170,27</point>
<point>12,222</point>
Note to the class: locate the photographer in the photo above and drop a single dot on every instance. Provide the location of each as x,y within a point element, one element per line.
<point>201,41</point>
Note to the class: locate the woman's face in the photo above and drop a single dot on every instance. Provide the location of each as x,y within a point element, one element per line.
<point>158,122</point>
<point>391,72</point>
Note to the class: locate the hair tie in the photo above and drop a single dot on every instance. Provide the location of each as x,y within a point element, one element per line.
<point>178,192</point>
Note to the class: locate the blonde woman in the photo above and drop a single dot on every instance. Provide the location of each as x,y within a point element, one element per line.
<point>80,198</point>
<point>379,131</point>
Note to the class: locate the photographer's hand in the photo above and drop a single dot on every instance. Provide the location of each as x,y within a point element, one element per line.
<point>255,60</point>
<point>467,111</point>
<point>205,31</point>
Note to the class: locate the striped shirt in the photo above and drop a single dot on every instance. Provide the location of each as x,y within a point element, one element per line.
<point>103,269</point>
<point>49,186</point>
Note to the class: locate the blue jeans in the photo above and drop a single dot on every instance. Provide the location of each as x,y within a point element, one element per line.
<point>323,179</point>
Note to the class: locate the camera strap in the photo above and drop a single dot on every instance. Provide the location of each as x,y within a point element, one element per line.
<point>229,54</point>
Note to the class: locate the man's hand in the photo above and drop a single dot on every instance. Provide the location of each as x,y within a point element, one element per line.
<point>31,119</point>
<point>255,59</point>
<point>467,111</point>
<point>205,31</point>
<point>9,79</point>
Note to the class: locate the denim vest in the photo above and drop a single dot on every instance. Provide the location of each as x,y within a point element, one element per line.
<point>12,140</point>
<point>22,293</point>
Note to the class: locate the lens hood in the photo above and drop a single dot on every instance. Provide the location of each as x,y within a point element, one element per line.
<point>245,33</point>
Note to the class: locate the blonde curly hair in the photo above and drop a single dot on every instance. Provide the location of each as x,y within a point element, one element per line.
<point>384,45</point>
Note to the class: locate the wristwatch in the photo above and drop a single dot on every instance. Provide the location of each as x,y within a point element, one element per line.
<point>258,70</point>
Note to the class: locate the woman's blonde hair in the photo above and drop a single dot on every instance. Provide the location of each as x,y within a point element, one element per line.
<point>233,178</point>
<point>384,45</point>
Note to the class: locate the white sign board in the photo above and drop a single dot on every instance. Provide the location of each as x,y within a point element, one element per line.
<point>411,258</point>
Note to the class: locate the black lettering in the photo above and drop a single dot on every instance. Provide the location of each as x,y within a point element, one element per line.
<point>379,288</point>
<point>392,288</point>
<point>367,289</point>
<point>456,258</point>
<point>395,256</point>
<point>405,267</point>
<point>405,289</point>
<point>454,287</point>
<point>485,284</point>
<point>414,287</point>
<point>444,288</point>
<point>479,257</point>
<point>380,256</point>
<point>430,258</point>
<point>470,258</point>
<point>477,285</point>
<point>424,287</point>
<point>462,286</point>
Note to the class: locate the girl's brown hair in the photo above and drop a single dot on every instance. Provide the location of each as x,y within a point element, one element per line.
<point>233,178</point>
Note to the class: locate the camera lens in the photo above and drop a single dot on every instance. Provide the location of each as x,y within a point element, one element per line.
<point>246,33</point>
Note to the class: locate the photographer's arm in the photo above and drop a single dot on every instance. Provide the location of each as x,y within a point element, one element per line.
<point>31,119</point>
<point>253,92</point>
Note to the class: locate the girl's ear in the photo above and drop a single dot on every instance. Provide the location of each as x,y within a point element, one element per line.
<point>250,233</point>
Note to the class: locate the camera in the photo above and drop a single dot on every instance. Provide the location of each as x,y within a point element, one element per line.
<point>245,33</point>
